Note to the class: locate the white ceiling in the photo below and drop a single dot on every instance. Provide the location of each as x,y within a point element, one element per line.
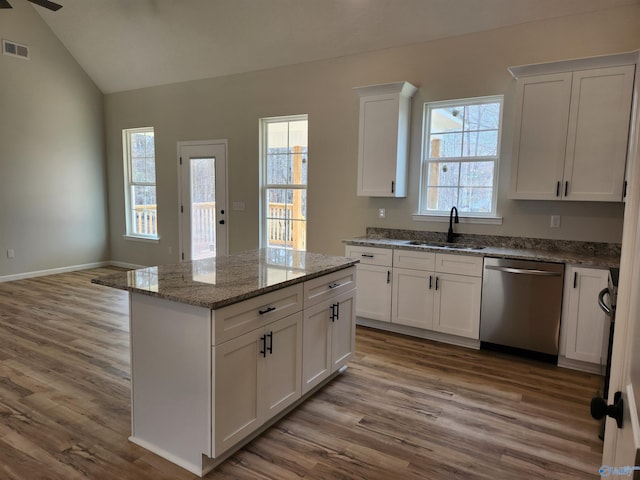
<point>129,44</point>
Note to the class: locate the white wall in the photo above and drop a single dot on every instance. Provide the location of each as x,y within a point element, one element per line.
<point>465,66</point>
<point>53,204</point>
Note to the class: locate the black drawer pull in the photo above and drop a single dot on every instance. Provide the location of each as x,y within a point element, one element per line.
<point>266,310</point>
<point>366,255</point>
<point>335,285</point>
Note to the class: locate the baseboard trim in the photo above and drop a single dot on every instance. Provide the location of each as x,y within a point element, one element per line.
<point>72,268</point>
<point>53,271</point>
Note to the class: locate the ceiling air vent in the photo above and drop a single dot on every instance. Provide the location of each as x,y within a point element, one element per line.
<point>15,49</point>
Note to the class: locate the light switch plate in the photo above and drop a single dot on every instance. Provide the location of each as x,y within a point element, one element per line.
<point>237,205</point>
<point>555,221</point>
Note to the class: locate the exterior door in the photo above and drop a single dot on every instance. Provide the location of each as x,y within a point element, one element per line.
<point>203,199</point>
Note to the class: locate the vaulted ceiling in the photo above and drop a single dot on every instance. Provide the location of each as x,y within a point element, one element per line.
<point>129,44</point>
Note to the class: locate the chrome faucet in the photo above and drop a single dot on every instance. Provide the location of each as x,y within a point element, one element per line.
<point>450,233</point>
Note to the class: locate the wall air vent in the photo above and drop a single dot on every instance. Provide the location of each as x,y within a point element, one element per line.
<point>15,49</point>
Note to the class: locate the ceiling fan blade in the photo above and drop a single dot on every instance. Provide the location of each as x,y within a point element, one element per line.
<point>47,4</point>
<point>5,4</point>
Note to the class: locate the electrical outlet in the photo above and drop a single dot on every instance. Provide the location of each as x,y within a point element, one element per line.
<point>555,221</point>
<point>382,213</point>
<point>11,253</point>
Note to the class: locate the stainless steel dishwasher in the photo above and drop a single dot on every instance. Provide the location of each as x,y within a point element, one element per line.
<point>521,306</point>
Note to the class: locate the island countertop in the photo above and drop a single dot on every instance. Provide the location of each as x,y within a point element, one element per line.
<point>217,282</point>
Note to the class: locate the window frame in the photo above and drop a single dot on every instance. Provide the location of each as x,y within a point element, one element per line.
<point>129,183</point>
<point>264,186</point>
<point>482,217</point>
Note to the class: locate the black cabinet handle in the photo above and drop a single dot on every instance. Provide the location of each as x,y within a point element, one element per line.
<point>366,255</point>
<point>270,347</point>
<point>436,283</point>
<point>566,188</point>
<point>337,310</point>
<point>624,190</point>
<point>266,310</point>
<point>332,315</point>
<point>430,281</point>
<point>388,276</point>
<point>335,285</point>
<point>263,348</point>
<point>558,189</point>
<point>393,186</point>
<point>575,279</point>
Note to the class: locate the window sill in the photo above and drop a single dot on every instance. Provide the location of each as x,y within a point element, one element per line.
<point>136,238</point>
<point>488,219</point>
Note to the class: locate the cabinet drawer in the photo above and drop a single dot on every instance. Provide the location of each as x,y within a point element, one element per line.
<point>371,255</point>
<point>414,260</point>
<point>459,264</point>
<point>318,289</point>
<point>242,317</point>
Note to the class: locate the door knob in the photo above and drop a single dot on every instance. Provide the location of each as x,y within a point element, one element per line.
<point>599,408</point>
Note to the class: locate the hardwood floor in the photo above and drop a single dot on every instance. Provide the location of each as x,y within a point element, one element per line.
<point>405,409</point>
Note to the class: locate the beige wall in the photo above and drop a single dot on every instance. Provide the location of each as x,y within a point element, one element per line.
<point>53,204</point>
<point>465,66</point>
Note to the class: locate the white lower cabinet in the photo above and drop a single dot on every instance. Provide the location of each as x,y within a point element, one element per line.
<point>413,298</point>
<point>374,281</point>
<point>457,305</point>
<point>257,375</point>
<point>439,292</point>
<point>584,325</point>
<point>328,338</point>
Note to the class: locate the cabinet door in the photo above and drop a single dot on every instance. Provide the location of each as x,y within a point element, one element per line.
<point>540,136</point>
<point>282,364</point>
<point>374,292</point>
<point>316,345</point>
<point>598,133</point>
<point>343,330</point>
<point>413,298</point>
<point>457,308</point>
<point>584,324</point>
<point>378,145</point>
<point>236,395</point>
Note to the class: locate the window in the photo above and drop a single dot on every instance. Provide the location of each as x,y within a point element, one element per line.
<point>460,156</point>
<point>140,182</point>
<point>284,165</point>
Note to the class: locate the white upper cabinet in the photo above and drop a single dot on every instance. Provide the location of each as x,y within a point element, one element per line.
<point>383,145</point>
<point>570,136</point>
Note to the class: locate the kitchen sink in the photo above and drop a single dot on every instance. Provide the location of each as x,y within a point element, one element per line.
<point>452,246</point>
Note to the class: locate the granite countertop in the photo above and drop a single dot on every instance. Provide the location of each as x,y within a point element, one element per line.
<point>217,282</point>
<point>579,253</point>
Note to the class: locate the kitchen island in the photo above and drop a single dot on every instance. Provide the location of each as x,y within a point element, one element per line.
<point>222,348</point>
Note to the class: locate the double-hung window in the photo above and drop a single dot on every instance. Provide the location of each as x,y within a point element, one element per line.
<point>140,182</point>
<point>460,156</point>
<point>284,162</point>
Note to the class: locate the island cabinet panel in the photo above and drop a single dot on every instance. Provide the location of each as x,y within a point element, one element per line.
<point>243,317</point>
<point>256,376</point>
<point>170,368</point>
<point>328,338</point>
<point>328,286</point>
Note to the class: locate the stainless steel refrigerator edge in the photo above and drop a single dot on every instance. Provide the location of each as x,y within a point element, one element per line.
<point>521,305</point>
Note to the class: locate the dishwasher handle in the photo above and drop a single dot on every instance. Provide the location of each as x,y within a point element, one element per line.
<point>523,271</point>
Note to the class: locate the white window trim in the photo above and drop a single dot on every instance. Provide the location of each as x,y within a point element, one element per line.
<point>126,158</point>
<point>263,171</point>
<point>469,217</point>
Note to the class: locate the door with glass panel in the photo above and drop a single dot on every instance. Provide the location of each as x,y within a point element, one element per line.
<point>203,199</point>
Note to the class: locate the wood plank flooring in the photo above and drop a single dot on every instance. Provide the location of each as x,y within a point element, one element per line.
<point>405,409</point>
